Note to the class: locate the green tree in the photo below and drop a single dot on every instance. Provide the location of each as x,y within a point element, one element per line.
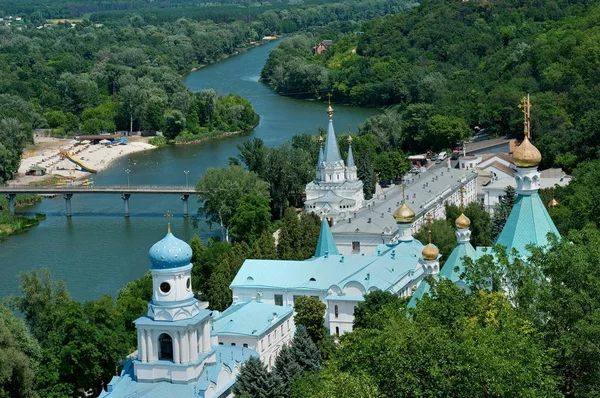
<point>221,190</point>
<point>251,219</point>
<point>333,383</point>
<point>480,222</point>
<point>451,336</point>
<point>304,351</point>
<point>310,313</point>
<point>365,312</point>
<point>502,211</point>
<point>19,357</point>
<point>286,368</point>
<point>255,381</point>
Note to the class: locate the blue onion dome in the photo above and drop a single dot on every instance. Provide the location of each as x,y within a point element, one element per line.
<point>170,252</point>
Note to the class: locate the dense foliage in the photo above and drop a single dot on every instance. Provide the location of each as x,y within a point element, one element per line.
<point>469,62</point>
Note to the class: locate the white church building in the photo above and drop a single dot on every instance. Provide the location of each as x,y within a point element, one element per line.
<point>336,191</point>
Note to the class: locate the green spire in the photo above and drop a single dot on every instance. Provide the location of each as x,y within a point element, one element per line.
<point>326,244</point>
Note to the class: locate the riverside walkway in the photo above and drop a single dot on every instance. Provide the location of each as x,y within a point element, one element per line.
<point>125,191</point>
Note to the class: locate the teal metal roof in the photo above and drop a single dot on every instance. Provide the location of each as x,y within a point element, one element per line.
<point>145,320</point>
<point>125,385</point>
<point>381,272</point>
<point>326,244</point>
<point>332,152</point>
<point>350,162</point>
<point>528,222</point>
<point>250,318</point>
<point>421,291</point>
<point>455,266</point>
<point>454,261</point>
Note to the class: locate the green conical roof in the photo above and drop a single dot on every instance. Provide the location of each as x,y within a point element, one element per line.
<point>326,244</point>
<point>528,222</point>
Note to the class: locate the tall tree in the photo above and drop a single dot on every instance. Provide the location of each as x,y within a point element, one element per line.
<point>255,381</point>
<point>286,368</point>
<point>304,351</point>
<point>19,357</point>
<point>221,191</point>
<point>310,313</point>
<point>251,219</point>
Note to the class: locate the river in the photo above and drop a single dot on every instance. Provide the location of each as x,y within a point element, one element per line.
<point>98,251</point>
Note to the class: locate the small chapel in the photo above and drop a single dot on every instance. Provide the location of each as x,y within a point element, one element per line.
<point>336,191</point>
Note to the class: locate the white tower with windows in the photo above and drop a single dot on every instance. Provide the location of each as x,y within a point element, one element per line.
<point>174,336</point>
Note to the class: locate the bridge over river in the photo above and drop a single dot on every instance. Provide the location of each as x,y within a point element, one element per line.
<point>126,191</point>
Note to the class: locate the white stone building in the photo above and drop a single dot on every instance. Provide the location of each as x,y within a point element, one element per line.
<point>336,190</point>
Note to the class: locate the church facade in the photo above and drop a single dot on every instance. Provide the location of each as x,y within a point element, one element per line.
<point>336,191</point>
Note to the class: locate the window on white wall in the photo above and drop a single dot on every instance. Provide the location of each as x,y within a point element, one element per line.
<point>245,345</point>
<point>336,311</point>
<point>279,300</point>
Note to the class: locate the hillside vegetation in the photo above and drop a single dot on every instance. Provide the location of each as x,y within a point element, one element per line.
<point>467,60</point>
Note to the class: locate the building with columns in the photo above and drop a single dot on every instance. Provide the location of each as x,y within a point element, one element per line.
<point>336,190</point>
<point>176,354</point>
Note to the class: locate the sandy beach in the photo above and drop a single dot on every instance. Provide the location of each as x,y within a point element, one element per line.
<point>49,152</point>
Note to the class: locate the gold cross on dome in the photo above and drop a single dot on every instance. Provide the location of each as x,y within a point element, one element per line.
<point>168,214</point>
<point>525,107</point>
<point>329,96</point>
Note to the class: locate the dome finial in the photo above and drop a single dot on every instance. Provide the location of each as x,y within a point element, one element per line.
<point>329,108</point>
<point>404,214</point>
<point>168,214</point>
<point>553,203</point>
<point>430,252</point>
<point>526,155</point>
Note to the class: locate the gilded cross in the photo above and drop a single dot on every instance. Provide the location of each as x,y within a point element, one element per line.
<point>329,96</point>
<point>429,220</point>
<point>168,214</point>
<point>525,106</point>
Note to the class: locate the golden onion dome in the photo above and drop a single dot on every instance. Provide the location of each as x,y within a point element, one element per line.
<point>329,111</point>
<point>462,221</point>
<point>404,215</point>
<point>553,203</point>
<point>430,252</point>
<point>527,155</point>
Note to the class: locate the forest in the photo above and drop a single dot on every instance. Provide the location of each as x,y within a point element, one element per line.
<point>468,61</point>
<point>125,73</point>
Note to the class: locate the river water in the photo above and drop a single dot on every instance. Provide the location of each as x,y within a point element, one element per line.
<point>98,251</point>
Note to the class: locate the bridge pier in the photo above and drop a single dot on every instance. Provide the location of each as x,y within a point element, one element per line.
<point>184,198</point>
<point>125,198</point>
<point>11,202</point>
<point>68,197</point>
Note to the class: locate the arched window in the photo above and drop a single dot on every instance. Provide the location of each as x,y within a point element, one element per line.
<point>337,331</point>
<point>165,347</point>
<point>336,311</point>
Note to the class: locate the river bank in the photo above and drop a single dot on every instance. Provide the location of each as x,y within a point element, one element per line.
<point>239,51</point>
<point>49,154</point>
